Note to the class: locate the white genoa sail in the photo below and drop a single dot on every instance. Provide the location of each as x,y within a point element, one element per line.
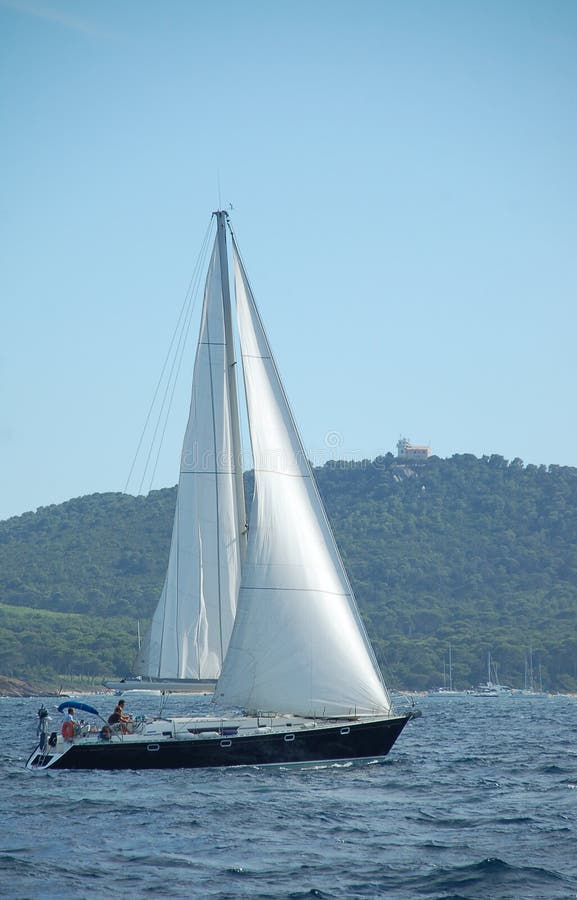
<point>192,624</point>
<point>298,644</point>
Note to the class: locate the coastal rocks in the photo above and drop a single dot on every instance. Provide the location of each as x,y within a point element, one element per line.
<point>14,687</point>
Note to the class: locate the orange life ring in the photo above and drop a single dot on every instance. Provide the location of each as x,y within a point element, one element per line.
<point>68,730</point>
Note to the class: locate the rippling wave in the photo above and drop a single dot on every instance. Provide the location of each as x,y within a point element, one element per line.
<point>476,800</point>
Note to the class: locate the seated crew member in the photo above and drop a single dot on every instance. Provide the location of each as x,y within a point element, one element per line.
<point>119,717</point>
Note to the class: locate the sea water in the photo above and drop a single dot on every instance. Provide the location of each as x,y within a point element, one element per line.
<point>476,800</point>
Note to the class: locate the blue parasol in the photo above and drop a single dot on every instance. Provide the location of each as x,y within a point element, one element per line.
<point>75,704</point>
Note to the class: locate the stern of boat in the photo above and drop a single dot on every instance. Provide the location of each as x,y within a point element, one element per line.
<point>51,745</point>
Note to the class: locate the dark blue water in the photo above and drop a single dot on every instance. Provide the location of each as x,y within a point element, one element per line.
<point>477,800</point>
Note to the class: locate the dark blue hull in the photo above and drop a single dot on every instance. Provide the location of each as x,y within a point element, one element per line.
<point>341,742</point>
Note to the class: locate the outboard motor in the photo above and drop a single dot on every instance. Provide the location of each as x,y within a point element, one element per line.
<point>42,730</point>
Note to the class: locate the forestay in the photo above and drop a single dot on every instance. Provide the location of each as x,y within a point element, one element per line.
<point>298,644</point>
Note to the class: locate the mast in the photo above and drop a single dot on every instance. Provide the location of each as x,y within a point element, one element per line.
<point>221,222</point>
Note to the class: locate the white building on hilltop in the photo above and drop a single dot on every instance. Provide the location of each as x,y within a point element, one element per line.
<point>406,450</point>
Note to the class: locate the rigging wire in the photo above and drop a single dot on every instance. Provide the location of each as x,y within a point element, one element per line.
<point>167,390</point>
<point>178,362</point>
<point>184,317</point>
<point>173,374</point>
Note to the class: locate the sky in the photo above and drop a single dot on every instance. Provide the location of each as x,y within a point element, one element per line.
<point>403,183</point>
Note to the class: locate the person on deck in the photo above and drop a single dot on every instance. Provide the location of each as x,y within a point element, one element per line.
<point>68,729</point>
<point>119,717</point>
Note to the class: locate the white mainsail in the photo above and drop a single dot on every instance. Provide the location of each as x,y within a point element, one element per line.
<point>192,624</point>
<point>298,643</point>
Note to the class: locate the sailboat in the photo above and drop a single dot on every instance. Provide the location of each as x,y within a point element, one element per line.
<point>264,609</point>
<point>490,688</point>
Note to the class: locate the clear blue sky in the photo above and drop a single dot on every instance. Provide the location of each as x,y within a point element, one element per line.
<point>403,176</point>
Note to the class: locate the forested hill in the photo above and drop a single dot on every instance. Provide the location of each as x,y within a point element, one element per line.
<point>477,553</point>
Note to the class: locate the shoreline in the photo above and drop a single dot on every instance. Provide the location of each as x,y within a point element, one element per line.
<point>17,687</point>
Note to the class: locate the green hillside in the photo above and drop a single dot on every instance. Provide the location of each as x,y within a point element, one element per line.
<point>478,553</point>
